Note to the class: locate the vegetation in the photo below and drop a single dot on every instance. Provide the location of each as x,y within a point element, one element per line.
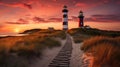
<point>49,33</point>
<point>106,51</point>
<point>27,46</point>
<point>31,31</point>
<point>81,34</point>
<point>80,38</point>
<point>102,45</point>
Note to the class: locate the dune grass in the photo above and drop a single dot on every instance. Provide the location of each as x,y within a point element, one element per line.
<point>106,51</point>
<point>104,45</point>
<point>28,46</point>
<point>80,38</point>
<point>81,34</point>
<point>94,32</point>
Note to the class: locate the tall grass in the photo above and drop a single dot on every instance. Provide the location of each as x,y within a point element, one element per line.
<point>106,51</point>
<point>28,46</point>
<point>94,32</point>
<point>80,38</point>
<point>81,34</point>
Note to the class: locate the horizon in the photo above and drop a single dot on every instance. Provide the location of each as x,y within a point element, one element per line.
<point>18,29</point>
<point>20,15</point>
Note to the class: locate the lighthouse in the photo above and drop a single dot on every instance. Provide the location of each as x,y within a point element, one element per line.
<point>81,18</point>
<point>65,18</point>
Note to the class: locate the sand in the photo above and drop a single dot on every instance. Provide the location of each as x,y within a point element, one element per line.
<point>78,57</point>
<point>47,56</point>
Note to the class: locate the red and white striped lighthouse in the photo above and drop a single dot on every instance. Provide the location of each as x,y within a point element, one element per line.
<point>65,18</point>
<point>81,18</point>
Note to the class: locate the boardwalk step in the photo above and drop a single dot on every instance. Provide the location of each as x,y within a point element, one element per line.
<point>63,57</point>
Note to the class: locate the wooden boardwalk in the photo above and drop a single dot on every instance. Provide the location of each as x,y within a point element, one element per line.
<point>63,57</point>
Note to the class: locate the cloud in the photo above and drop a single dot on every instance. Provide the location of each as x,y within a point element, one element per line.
<point>38,19</point>
<point>118,2</point>
<point>28,6</point>
<point>18,3</point>
<point>1,25</point>
<point>81,5</point>
<point>43,20</point>
<point>2,28</point>
<point>35,20</point>
<point>23,21</point>
<point>94,3</point>
<point>104,18</point>
<point>21,5</point>
<point>20,21</point>
<point>74,18</point>
<point>55,19</point>
<point>55,0</point>
<point>99,18</point>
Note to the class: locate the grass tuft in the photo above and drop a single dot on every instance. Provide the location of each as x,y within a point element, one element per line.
<point>104,49</point>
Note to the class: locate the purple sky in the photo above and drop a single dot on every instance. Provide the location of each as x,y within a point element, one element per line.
<point>15,13</point>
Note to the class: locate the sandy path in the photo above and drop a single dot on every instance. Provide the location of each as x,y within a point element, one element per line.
<point>47,56</point>
<point>77,58</point>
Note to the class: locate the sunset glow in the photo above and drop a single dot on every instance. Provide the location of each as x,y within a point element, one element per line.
<point>20,15</point>
<point>16,30</point>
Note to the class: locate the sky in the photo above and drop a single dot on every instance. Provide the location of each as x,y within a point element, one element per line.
<point>19,15</point>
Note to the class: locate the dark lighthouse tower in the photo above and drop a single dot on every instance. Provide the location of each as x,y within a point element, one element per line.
<point>81,18</point>
<point>65,18</point>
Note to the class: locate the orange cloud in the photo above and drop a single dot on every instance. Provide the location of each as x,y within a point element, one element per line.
<point>19,21</point>
<point>5,28</point>
<point>55,19</point>
<point>104,18</point>
<point>81,5</point>
<point>38,19</point>
<point>21,5</point>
